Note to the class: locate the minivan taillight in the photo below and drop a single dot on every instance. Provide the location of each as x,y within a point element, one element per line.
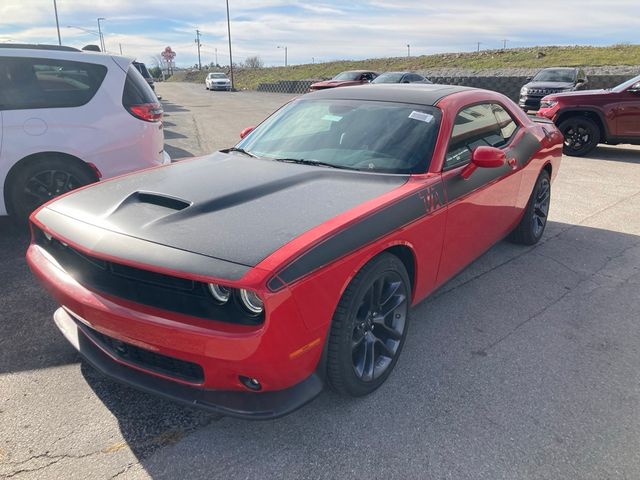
<point>149,112</point>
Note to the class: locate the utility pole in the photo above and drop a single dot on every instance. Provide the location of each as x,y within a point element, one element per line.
<point>216,50</point>
<point>408,50</point>
<point>230,57</point>
<point>479,46</point>
<point>102,45</point>
<point>313,59</point>
<point>55,9</point>
<point>504,44</point>
<point>198,43</point>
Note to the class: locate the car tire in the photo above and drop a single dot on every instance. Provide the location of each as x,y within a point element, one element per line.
<point>581,135</point>
<point>369,327</point>
<point>534,221</point>
<point>40,181</point>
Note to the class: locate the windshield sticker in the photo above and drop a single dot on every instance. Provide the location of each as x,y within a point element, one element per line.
<point>332,118</point>
<point>423,117</point>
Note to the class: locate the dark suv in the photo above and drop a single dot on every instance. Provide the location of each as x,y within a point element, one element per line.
<point>597,116</point>
<point>548,81</point>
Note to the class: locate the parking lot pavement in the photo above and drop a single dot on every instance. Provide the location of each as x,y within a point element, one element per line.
<point>526,365</point>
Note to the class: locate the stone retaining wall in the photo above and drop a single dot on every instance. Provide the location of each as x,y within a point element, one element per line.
<point>507,85</point>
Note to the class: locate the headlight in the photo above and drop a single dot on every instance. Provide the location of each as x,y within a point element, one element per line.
<point>219,293</point>
<point>548,103</point>
<point>251,301</point>
<point>524,91</point>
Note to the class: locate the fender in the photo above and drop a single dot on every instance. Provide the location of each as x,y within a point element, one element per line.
<point>576,109</point>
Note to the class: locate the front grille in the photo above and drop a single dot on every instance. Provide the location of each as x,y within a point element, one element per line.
<point>157,290</point>
<point>543,91</point>
<point>146,359</point>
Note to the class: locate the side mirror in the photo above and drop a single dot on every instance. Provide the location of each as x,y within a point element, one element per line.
<point>484,157</point>
<point>246,132</point>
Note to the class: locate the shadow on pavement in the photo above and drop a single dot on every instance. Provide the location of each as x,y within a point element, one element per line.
<point>492,379</point>
<point>615,154</point>
<point>177,153</point>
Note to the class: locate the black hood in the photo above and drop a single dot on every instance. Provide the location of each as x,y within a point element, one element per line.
<point>553,85</point>
<point>226,206</point>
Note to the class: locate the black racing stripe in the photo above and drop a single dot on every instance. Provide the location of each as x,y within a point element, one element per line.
<point>522,150</point>
<point>457,187</point>
<point>376,225</point>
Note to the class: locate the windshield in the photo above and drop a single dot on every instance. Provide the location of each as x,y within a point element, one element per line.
<point>361,135</point>
<point>389,78</point>
<point>348,76</point>
<point>564,76</point>
<point>217,75</point>
<point>623,86</point>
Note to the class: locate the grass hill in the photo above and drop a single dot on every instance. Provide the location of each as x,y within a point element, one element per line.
<point>517,58</point>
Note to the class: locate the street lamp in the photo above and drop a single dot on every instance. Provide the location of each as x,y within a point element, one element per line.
<point>285,54</point>
<point>408,50</point>
<point>230,57</point>
<point>102,45</point>
<point>55,9</point>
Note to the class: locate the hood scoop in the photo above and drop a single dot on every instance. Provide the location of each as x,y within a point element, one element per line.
<point>145,208</point>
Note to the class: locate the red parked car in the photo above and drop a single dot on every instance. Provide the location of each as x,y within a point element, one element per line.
<point>245,280</point>
<point>596,116</point>
<point>345,79</point>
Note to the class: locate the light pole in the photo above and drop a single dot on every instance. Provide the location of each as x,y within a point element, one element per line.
<point>285,54</point>
<point>55,9</point>
<point>216,50</point>
<point>408,50</point>
<point>479,43</point>
<point>102,45</point>
<point>230,56</point>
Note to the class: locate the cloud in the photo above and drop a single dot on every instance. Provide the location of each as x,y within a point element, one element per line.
<point>326,30</point>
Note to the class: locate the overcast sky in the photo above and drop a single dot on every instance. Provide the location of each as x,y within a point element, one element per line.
<point>324,30</point>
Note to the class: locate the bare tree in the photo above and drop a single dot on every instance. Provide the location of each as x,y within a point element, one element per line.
<point>253,62</point>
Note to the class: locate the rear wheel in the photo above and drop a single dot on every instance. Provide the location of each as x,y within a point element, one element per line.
<point>581,135</point>
<point>369,327</point>
<point>38,182</point>
<point>531,227</point>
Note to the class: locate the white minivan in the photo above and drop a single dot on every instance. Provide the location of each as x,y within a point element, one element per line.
<point>68,118</point>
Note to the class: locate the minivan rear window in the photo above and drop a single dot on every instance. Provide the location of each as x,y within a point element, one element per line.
<point>28,83</point>
<point>136,89</point>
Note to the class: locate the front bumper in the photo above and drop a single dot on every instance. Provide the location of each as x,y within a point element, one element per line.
<point>222,352</point>
<point>258,406</point>
<point>530,103</point>
<point>223,86</point>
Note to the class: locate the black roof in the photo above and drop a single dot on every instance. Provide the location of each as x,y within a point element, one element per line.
<point>35,46</point>
<point>418,93</point>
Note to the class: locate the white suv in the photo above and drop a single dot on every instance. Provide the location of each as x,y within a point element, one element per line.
<point>217,81</point>
<point>68,118</point>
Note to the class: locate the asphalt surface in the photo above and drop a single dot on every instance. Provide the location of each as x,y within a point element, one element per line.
<point>526,365</point>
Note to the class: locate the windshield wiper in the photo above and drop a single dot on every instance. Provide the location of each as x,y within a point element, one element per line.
<point>239,150</point>
<point>313,163</point>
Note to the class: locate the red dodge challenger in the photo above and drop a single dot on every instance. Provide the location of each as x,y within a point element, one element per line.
<point>245,280</point>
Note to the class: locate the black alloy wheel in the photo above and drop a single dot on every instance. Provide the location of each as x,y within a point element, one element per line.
<point>541,207</point>
<point>369,327</point>
<point>534,219</point>
<point>581,135</point>
<point>38,182</point>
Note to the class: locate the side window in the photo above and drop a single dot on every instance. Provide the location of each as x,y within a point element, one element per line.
<point>506,123</point>
<point>473,127</point>
<point>27,83</point>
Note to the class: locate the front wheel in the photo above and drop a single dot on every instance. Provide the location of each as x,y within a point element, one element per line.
<point>369,327</point>
<point>531,227</point>
<point>581,135</point>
